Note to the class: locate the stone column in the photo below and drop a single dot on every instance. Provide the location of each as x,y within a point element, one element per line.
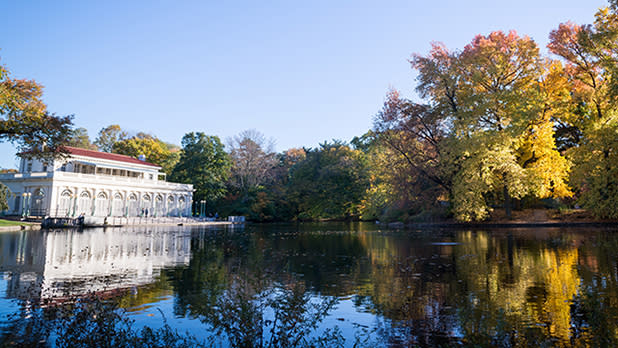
<point>177,200</point>
<point>165,212</point>
<point>94,201</point>
<point>75,198</point>
<point>58,195</point>
<point>139,204</point>
<point>125,208</point>
<point>153,204</point>
<point>48,200</point>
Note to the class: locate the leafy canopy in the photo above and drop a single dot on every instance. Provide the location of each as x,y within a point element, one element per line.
<point>25,121</point>
<point>205,164</point>
<point>590,55</point>
<point>486,132</point>
<point>329,183</point>
<point>109,136</point>
<point>155,150</point>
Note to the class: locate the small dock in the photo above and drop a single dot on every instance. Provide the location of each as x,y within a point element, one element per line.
<point>114,221</point>
<point>63,222</point>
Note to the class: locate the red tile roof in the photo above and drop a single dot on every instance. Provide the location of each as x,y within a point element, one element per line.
<point>105,155</point>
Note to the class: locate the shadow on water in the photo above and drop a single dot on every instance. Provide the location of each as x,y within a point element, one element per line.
<point>311,285</point>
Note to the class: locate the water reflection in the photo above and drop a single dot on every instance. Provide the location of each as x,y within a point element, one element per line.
<point>70,262</point>
<point>436,287</point>
<point>433,287</point>
<point>504,287</point>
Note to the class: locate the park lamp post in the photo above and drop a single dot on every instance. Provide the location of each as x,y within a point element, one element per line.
<point>28,195</point>
<point>23,205</point>
<point>202,208</point>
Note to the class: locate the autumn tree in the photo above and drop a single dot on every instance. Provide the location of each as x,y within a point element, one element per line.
<point>109,136</point>
<point>25,121</point>
<point>500,143</point>
<point>253,158</point>
<point>407,162</point>
<point>590,54</point>
<point>257,184</point>
<point>496,94</point>
<point>5,194</point>
<point>154,149</point>
<point>270,200</point>
<point>205,164</point>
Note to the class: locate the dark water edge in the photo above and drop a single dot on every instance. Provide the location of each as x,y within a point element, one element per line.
<point>329,284</point>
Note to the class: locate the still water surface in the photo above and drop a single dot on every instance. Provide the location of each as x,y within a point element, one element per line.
<point>398,288</point>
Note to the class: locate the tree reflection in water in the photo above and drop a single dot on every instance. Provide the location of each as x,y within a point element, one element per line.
<point>243,293</point>
<point>500,288</point>
<point>307,285</point>
<point>505,288</point>
<point>245,315</point>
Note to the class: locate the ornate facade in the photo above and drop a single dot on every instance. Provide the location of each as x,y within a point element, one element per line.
<point>98,184</point>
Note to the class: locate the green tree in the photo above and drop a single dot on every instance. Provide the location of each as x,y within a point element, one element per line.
<point>79,138</point>
<point>205,164</point>
<point>329,183</point>
<point>269,200</point>
<point>25,121</point>
<point>109,136</point>
<point>155,150</point>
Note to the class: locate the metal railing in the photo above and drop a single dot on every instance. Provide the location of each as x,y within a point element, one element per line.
<point>96,177</point>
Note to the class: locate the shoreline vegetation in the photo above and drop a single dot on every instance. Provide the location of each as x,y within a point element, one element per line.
<point>17,225</point>
<point>522,218</point>
<point>4,222</point>
<point>16,222</point>
<point>498,219</point>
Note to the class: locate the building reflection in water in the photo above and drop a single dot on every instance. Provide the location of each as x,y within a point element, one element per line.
<point>61,263</point>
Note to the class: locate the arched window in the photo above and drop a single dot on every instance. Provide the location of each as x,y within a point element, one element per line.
<point>84,204</point>
<point>158,210</point>
<point>171,208</point>
<point>181,206</point>
<point>38,203</point>
<point>65,205</point>
<point>101,205</point>
<point>133,205</point>
<point>117,205</point>
<point>146,205</point>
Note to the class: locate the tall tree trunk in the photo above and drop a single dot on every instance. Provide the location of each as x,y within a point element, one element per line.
<point>507,202</point>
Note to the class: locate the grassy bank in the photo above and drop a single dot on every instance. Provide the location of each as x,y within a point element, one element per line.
<point>4,222</point>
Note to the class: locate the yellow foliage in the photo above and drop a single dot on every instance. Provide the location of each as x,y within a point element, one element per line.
<point>547,168</point>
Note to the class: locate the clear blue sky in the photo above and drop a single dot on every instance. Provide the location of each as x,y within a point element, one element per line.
<point>299,72</point>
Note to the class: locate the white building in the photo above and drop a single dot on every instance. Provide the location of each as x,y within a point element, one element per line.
<point>93,183</point>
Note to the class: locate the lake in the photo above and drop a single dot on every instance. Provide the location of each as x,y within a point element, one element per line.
<point>345,283</point>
